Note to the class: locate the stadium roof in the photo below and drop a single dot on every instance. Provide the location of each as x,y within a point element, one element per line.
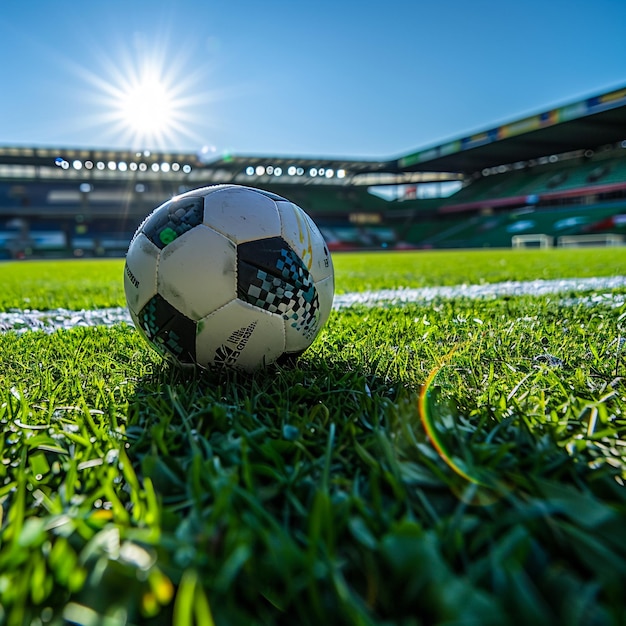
<point>317,171</point>
<point>192,168</point>
<point>578,126</point>
<point>582,125</point>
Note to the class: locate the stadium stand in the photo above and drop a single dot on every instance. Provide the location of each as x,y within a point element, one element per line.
<point>561,173</point>
<point>576,177</point>
<point>572,197</point>
<point>498,230</point>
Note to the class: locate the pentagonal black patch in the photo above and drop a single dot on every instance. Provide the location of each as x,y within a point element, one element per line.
<point>169,329</point>
<point>172,219</point>
<point>272,276</point>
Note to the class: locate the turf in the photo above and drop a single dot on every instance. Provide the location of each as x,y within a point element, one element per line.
<point>78,284</point>
<point>328,492</point>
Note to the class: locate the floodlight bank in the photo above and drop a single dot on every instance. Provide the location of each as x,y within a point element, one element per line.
<point>62,319</point>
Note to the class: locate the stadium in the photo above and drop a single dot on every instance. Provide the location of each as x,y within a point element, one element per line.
<point>555,178</point>
<point>449,449</point>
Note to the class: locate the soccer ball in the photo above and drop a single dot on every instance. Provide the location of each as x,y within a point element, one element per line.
<point>228,276</point>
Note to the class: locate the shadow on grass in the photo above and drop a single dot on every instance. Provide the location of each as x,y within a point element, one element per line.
<point>261,479</point>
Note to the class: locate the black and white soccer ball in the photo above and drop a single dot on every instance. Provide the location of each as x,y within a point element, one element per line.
<point>228,276</point>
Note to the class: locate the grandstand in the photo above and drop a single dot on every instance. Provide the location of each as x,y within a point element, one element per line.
<point>557,175</point>
<point>570,195</point>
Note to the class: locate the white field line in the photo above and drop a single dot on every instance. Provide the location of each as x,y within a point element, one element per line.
<point>600,288</point>
<point>483,291</point>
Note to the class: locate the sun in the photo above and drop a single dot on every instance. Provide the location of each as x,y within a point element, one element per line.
<point>148,104</point>
<point>148,97</point>
<point>147,107</point>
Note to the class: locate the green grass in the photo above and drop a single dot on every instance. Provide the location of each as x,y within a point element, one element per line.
<point>131,493</point>
<point>81,284</point>
<point>71,284</point>
<point>377,270</point>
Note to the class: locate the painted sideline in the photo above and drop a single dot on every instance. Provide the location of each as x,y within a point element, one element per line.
<point>58,319</point>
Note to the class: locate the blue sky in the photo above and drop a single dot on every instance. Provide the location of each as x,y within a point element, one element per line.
<point>326,78</point>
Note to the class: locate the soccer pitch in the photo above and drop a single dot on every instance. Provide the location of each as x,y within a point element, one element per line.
<point>460,461</point>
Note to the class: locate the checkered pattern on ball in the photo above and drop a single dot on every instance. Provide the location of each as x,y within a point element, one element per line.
<point>273,277</point>
<point>168,329</point>
<point>173,219</point>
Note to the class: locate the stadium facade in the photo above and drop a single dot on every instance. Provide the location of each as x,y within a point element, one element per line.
<point>554,178</point>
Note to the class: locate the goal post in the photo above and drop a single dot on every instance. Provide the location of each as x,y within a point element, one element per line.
<point>578,241</point>
<point>532,241</point>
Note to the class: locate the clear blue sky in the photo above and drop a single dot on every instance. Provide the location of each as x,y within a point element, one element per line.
<point>353,78</point>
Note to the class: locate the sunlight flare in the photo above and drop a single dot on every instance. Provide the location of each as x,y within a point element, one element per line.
<point>148,97</point>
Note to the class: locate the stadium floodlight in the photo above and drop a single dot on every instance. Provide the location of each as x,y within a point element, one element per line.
<point>270,170</point>
<point>133,166</point>
<point>313,172</point>
<point>165,167</point>
<point>122,166</point>
<point>291,170</point>
<point>250,170</point>
<point>77,164</point>
<point>329,173</point>
<point>100,165</point>
<point>154,167</point>
<point>88,165</point>
<point>260,170</point>
<point>299,171</point>
<point>112,165</point>
<point>186,169</point>
<point>143,167</point>
<point>341,173</point>
<point>278,171</point>
<point>175,167</point>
